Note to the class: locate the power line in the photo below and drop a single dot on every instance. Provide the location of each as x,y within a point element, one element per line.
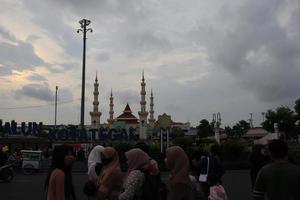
<point>39,106</point>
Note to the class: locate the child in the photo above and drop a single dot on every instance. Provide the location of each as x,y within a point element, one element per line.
<point>216,190</point>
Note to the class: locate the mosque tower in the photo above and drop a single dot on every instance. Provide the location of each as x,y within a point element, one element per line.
<point>95,115</point>
<point>151,119</point>
<point>143,113</point>
<point>111,109</point>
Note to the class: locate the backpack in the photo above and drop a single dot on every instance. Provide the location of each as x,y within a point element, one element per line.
<point>150,188</point>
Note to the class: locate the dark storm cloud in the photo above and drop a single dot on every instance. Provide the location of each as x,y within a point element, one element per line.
<point>98,12</point>
<point>19,56</point>
<point>146,41</point>
<point>256,49</point>
<point>63,33</point>
<point>43,92</point>
<point>130,9</point>
<point>35,91</point>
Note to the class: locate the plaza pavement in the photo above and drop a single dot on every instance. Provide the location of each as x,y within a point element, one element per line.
<point>30,187</point>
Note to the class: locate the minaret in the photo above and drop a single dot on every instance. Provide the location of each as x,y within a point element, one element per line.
<point>95,115</point>
<point>151,120</point>
<point>111,109</point>
<point>143,113</point>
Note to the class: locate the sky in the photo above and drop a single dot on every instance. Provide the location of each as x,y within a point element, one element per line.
<point>199,57</point>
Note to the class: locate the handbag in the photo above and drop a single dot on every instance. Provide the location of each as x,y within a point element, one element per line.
<point>203,177</point>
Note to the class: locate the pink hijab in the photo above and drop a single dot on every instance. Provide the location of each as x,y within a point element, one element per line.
<point>178,162</point>
<point>137,159</point>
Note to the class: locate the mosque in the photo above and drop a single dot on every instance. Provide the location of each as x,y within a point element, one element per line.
<point>126,119</point>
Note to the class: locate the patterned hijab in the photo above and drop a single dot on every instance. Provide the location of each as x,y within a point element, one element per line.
<point>178,162</point>
<point>137,159</point>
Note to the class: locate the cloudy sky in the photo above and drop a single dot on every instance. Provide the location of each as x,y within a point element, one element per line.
<point>200,57</point>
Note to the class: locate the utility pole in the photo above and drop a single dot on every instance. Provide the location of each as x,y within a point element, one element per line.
<point>216,126</point>
<point>55,115</point>
<point>83,23</point>
<point>251,120</point>
<point>263,116</point>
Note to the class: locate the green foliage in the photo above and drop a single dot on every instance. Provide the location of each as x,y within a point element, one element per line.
<point>121,148</point>
<point>297,108</point>
<point>284,117</point>
<point>154,150</point>
<point>186,143</point>
<point>240,128</point>
<point>183,142</point>
<point>176,132</point>
<point>205,129</point>
<point>44,134</point>
<point>232,149</point>
<point>228,130</point>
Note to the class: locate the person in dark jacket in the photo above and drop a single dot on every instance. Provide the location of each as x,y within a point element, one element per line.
<point>211,164</point>
<point>257,160</point>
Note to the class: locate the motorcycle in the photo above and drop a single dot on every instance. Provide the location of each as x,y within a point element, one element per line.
<point>7,172</point>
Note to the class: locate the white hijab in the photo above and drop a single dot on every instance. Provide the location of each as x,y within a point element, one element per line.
<point>93,159</point>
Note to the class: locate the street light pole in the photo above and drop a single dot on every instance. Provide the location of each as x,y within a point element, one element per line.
<point>56,88</point>
<point>84,23</point>
<point>263,116</point>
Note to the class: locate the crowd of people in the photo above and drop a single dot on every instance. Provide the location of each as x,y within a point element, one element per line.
<point>197,177</point>
<point>142,180</point>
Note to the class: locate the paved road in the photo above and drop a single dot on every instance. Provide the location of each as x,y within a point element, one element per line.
<point>237,184</point>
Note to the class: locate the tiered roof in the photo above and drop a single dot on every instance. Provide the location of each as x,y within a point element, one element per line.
<point>127,116</point>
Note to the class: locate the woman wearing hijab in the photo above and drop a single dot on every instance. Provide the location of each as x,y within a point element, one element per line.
<point>137,161</point>
<point>110,179</point>
<point>153,168</point>
<point>94,162</point>
<point>177,162</point>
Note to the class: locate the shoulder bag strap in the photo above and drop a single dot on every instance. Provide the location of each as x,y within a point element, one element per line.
<point>207,165</point>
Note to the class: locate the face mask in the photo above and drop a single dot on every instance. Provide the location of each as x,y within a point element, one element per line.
<point>69,160</point>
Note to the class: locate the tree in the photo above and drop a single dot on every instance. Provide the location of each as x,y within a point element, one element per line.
<point>284,117</point>
<point>240,128</point>
<point>297,108</point>
<point>205,129</point>
<point>176,132</point>
<point>228,130</point>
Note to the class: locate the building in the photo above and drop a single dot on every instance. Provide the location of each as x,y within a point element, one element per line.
<point>95,114</point>
<point>260,135</point>
<point>256,133</point>
<point>128,118</point>
<point>142,123</point>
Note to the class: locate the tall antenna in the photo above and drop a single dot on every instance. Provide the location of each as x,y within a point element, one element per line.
<point>263,116</point>
<point>251,120</point>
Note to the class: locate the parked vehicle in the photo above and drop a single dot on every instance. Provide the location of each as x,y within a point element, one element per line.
<point>7,172</point>
<point>31,161</point>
